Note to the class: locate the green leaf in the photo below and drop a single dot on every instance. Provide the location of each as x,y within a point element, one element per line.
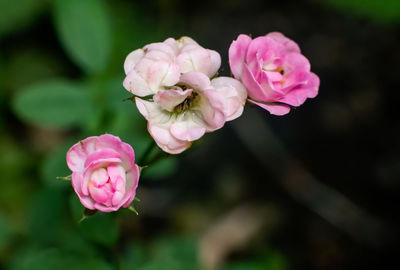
<point>85,32</point>
<point>56,104</point>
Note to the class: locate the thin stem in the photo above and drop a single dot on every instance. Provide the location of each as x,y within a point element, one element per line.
<point>147,153</point>
<point>160,155</point>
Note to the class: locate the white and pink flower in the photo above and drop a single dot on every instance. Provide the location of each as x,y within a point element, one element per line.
<point>104,173</point>
<point>185,102</point>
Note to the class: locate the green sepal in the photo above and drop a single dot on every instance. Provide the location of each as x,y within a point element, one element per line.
<point>87,213</point>
<point>65,178</point>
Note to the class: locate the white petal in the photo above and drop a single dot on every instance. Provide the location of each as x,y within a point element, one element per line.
<point>132,59</point>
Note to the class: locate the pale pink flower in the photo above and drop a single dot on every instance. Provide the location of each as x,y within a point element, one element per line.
<point>195,105</point>
<point>159,65</point>
<point>274,71</point>
<point>104,173</point>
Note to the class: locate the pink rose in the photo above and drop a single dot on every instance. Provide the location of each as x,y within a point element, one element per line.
<point>158,66</point>
<point>180,115</point>
<point>274,71</point>
<point>104,173</point>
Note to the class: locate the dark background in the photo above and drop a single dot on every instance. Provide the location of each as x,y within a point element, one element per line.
<point>315,189</point>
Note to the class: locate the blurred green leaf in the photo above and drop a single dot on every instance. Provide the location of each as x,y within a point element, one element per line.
<point>18,13</point>
<point>76,207</point>
<point>45,214</point>
<point>55,259</point>
<point>5,231</point>
<point>55,165</point>
<point>273,260</point>
<point>137,26</point>
<point>37,65</point>
<point>16,181</point>
<point>85,32</point>
<point>382,10</point>
<point>101,228</point>
<point>57,104</point>
<point>177,249</point>
<point>134,257</point>
<point>162,168</point>
<point>72,241</point>
<point>167,265</point>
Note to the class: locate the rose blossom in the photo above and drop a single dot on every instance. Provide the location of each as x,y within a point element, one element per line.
<point>185,104</point>
<point>159,65</point>
<point>104,173</point>
<point>196,105</point>
<point>274,71</point>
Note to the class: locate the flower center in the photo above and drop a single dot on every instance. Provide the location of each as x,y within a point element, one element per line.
<point>187,103</point>
<point>280,70</point>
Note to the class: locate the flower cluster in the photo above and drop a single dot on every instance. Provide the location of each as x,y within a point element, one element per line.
<point>176,88</point>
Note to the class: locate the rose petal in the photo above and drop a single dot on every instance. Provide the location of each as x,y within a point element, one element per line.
<point>234,93</point>
<point>99,195</point>
<point>169,99</point>
<point>117,174</point>
<point>78,153</point>
<point>237,54</point>
<point>187,129</point>
<point>254,89</point>
<point>166,141</point>
<point>132,59</point>
<point>289,44</point>
<point>99,177</point>
<point>103,155</point>
<point>211,108</point>
<point>275,109</point>
<point>124,149</point>
<point>137,85</point>
<point>196,80</point>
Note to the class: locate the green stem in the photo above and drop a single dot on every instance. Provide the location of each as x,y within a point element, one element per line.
<point>147,153</point>
<point>160,155</point>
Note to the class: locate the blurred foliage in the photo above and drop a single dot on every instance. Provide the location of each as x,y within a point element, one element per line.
<point>58,104</point>
<point>51,259</point>
<point>19,13</point>
<point>87,40</point>
<point>271,260</point>
<point>379,10</point>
